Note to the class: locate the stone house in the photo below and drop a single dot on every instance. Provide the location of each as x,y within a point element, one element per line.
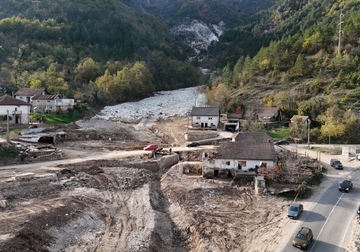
<point>19,111</point>
<point>242,156</point>
<point>51,103</point>
<point>205,117</point>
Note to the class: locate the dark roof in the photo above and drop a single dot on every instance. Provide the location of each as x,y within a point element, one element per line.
<point>267,112</point>
<point>8,100</point>
<point>253,137</point>
<point>45,97</point>
<point>205,111</point>
<point>246,151</point>
<point>29,91</point>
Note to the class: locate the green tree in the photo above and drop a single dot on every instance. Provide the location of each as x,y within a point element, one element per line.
<point>87,70</point>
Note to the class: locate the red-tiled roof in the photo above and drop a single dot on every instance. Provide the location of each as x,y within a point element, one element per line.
<point>29,91</point>
<point>8,100</point>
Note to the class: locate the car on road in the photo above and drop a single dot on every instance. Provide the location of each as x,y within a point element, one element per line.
<point>295,210</point>
<point>282,142</point>
<point>303,238</point>
<point>151,147</point>
<point>345,186</point>
<point>193,144</point>
<point>336,164</point>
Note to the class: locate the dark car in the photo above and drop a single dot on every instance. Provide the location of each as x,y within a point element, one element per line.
<point>295,210</point>
<point>193,144</point>
<point>303,238</point>
<point>345,186</point>
<point>336,164</point>
<point>282,142</point>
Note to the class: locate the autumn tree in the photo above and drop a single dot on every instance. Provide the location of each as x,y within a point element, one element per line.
<point>332,123</point>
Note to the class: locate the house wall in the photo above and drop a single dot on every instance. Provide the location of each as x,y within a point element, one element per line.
<point>19,114</point>
<point>205,121</point>
<point>64,104</point>
<point>24,98</point>
<point>44,105</point>
<point>233,164</point>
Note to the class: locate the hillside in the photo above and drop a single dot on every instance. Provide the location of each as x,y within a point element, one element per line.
<point>295,59</point>
<point>66,46</point>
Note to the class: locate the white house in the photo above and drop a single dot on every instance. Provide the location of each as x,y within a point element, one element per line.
<point>205,117</point>
<point>19,111</point>
<point>242,156</point>
<point>26,94</point>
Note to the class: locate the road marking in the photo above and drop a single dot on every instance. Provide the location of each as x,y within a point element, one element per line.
<point>332,210</point>
<point>321,230</point>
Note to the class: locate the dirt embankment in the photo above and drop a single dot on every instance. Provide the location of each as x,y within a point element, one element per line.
<point>89,208</point>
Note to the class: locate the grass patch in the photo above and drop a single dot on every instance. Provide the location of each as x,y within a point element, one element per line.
<point>279,133</point>
<point>70,117</point>
<point>8,152</point>
<point>326,149</point>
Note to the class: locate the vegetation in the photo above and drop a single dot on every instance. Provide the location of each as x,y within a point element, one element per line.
<point>276,53</point>
<point>65,48</point>
<point>295,65</point>
<point>8,151</point>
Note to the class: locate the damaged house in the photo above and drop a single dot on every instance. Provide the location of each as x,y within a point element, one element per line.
<point>241,157</point>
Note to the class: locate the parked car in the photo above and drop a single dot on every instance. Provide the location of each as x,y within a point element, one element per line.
<point>303,238</point>
<point>193,144</point>
<point>295,210</point>
<point>151,147</point>
<point>345,186</point>
<point>336,164</point>
<point>282,142</point>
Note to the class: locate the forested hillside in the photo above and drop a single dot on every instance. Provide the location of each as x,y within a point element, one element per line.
<point>102,52</point>
<point>292,57</point>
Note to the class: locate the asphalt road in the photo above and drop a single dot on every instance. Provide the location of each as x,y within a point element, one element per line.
<point>331,215</point>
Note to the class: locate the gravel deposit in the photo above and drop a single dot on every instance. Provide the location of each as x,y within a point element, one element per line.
<point>162,105</point>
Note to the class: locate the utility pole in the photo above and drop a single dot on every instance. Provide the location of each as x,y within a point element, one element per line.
<point>340,32</point>
<point>7,127</point>
<point>308,131</point>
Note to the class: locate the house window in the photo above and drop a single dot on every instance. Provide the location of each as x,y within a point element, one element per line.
<point>198,117</point>
<point>263,164</point>
<point>210,118</point>
<point>242,163</point>
<point>47,101</point>
<point>51,107</point>
<point>37,101</point>
<point>227,162</point>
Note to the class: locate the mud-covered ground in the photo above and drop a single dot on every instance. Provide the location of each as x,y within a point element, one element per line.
<point>107,205</point>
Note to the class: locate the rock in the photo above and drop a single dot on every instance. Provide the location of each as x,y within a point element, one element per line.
<point>3,203</point>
